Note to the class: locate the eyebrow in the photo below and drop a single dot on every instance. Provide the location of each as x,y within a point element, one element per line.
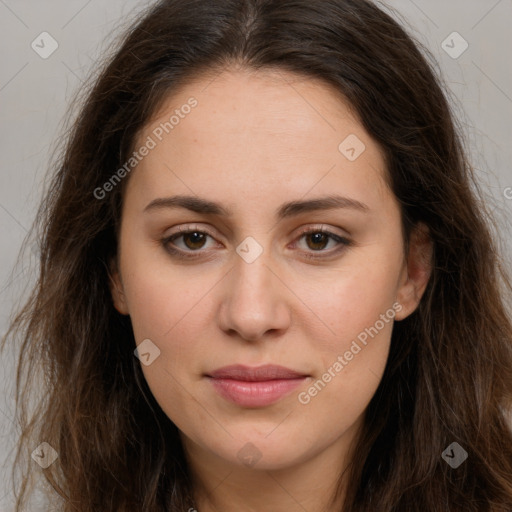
<point>286,210</point>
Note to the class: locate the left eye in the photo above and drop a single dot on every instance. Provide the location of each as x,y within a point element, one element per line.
<point>320,238</point>
<point>194,240</point>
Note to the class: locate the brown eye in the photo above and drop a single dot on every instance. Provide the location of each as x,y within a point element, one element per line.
<point>319,240</point>
<point>194,239</point>
<point>186,243</point>
<point>189,243</point>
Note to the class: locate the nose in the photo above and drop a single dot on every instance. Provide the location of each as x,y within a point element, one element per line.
<point>254,301</point>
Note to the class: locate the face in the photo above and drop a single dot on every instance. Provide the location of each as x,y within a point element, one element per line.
<point>288,252</point>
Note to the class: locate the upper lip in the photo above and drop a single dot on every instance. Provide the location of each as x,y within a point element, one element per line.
<point>255,374</point>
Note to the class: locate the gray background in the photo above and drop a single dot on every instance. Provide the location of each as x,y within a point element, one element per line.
<point>35,94</point>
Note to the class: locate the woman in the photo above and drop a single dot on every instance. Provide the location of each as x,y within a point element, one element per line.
<point>204,347</point>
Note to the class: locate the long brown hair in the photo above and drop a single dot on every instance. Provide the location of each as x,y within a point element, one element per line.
<point>449,374</point>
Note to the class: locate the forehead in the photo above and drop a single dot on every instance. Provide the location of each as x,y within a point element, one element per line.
<point>255,131</point>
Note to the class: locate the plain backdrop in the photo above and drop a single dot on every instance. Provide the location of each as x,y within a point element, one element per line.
<point>35,93</point>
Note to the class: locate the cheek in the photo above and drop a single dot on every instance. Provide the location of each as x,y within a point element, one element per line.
<point>170,311</point>
<point>359,306</point>
<point>160,295</point>
<point>351,300</point>
<point>172,308</point>
<point>351,358</point>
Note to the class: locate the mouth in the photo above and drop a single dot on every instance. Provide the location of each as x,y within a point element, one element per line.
<point>255,386</point>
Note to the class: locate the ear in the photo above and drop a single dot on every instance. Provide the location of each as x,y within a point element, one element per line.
<point>416,272</point>
<point>117,288</point>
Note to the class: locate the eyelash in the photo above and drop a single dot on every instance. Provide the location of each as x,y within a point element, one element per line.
<point>179,253</point>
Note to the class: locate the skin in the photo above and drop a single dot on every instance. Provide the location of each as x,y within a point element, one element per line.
<point>257,140</point>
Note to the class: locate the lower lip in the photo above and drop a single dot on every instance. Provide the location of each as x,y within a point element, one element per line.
<point>255,394</point>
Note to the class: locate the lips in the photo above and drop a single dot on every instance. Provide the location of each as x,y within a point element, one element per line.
<point>255,374</point>
<point>255,386</point>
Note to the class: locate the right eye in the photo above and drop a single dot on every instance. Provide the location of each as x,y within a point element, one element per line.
<point>192,241</point>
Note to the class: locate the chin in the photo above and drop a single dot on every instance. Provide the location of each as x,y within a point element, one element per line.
<point>258,452</point>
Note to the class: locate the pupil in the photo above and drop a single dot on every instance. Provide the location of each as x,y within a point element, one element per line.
<point>318,237</point>
<point>192,236</point>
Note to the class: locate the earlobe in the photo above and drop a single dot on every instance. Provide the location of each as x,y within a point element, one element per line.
<point>117,289</point>
<point>417,271</point>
